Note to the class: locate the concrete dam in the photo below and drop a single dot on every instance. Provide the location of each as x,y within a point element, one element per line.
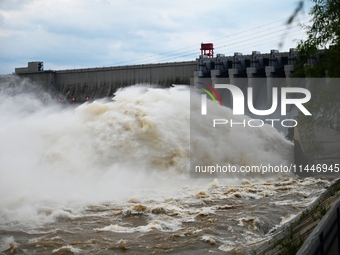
<point>93,83</point>
<point>256,70</point>
<point>262,72</point>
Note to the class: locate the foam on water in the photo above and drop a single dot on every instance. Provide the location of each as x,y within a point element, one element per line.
<point>54,157</point>
<point>7,243</point>
<point>154,225</point>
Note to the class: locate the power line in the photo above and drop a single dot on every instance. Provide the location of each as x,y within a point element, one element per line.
<point>232,42</point>
<point>180,52</point>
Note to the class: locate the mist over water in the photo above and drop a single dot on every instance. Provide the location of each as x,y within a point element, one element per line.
<point>54,155</point>
<point>56,160</point>
<point>236,145</point>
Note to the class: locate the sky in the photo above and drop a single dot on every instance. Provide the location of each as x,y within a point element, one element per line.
<point>70,34</point>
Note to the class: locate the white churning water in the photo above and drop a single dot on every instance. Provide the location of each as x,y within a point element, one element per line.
<point>130,155</point>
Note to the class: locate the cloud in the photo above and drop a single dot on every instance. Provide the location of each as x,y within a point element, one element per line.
<point>89,33</point>
<point>13,4</point>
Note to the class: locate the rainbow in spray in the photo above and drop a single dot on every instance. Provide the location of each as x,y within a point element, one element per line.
<point>211,92</point>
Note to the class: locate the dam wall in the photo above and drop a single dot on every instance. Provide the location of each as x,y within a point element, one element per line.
<point>262,72</point>
<point>93,83</point>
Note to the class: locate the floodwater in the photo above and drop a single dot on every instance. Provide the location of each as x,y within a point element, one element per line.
<point>112,177</point>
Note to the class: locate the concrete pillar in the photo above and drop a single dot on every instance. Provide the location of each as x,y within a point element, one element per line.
<point>232,73</point>
<point>250,74</point>
<point>270,70</point>
<point>288,73</point>
<point>256,63</point>
<point>251,71</point>
<point>288,70</point>
<point>198,75</point>
<point>214,76</point>
<point>292,56</point>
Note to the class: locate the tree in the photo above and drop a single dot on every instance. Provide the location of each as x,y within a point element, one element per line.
<point>321,52</point>
<point>323,39</point>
